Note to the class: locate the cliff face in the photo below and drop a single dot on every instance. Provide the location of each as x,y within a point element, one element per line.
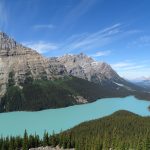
<point>85,67</point>
<point>23,61</point>
<point>20,66</point>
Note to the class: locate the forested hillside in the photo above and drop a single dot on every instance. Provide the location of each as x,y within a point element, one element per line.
<point>120,131</point>
<point>41,94</point>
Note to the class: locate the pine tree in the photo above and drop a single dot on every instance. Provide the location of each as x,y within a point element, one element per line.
<point>140,144</point>
<point>18,142</point>
<point>36,140</point>
<point>11,81</point>
<point>146,142</point>
<point>11,143</point>
<point>25,141</point>
<point>106,141</point>
<point>45,139</point>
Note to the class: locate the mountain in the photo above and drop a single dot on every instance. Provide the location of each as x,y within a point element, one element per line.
<point>101,73</point>
<point>23,62</point>
<point>143,82</point>
<point>29,81</point>
<point>86,68</point>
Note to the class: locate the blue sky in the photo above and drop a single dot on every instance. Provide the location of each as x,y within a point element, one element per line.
<point>114,31</point>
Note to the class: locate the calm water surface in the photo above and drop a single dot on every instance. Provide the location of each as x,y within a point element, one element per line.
<point>15,123</point>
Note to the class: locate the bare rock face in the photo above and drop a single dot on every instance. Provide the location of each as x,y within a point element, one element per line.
<point>23,61</point>
<point>85,67</point>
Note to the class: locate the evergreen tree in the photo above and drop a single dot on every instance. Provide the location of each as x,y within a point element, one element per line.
<point>25,141</point>
<point>11,80</point>
<point>123,131</point>
<point>46,139</point>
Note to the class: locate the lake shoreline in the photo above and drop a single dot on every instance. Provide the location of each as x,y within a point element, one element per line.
<point>14,123</point>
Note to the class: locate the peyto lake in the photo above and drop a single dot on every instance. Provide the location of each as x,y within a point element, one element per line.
<point>14,123</point>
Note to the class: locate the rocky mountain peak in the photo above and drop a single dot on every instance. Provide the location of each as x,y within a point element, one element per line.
<point>75,59</point>
<point>85,67</point>
<point>9,47</point>
<point>3,35</point>
<point>6,43</point>
<point>21,60</point>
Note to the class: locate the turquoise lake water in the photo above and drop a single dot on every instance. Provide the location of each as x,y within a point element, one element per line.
<point>14,123</point>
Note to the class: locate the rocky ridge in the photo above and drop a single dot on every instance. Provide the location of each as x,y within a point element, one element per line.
<point>85,67</point>
<point>23,61</point>
<point>28,80</point>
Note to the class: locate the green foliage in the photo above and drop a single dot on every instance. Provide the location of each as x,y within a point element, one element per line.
<point>12,100</point>
<point>25,141</point>
<point>46,139</point>
<point>120,131</point>
<point>11,81</point>
<point>43,94</point>
<point>28,79</point>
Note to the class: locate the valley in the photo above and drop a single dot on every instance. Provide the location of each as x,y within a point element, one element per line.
<point>117,131</point>
<point>32,82</point>
<point>74,75</point>
<point>14,123</point>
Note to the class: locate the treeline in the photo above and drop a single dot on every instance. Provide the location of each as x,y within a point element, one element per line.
<point>121,131</point>
<point>27,141</point>
<point>41,94</point>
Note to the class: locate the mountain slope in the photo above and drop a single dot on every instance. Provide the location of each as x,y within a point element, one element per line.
<point>29,81</point>
<point>86,68</point>
<point>144,83</point>
<point>101,73</point>
<point>121,130</point>
<point>43,94</point>
<point>23,62</point>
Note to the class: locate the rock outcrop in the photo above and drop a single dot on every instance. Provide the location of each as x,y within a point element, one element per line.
<point>23,61</point>
<point>20,65</point>
<point>85,67</point>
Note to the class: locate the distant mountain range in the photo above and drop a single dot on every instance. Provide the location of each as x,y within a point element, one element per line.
<point>29,81</point>
<point>144,83</point>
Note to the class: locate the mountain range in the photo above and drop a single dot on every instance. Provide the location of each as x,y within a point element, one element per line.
<point>29,81</point>
<point>143,82</point>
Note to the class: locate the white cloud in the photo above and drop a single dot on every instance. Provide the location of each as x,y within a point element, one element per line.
<point>43,26</point>
<point>81,8</point>
<point>101,53</point>
<point>86,41</point>
<point>41,46</point>
<point>140,42</point>
<point>120,65</point>
<point>127,65</point>
<point>132,70</point>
